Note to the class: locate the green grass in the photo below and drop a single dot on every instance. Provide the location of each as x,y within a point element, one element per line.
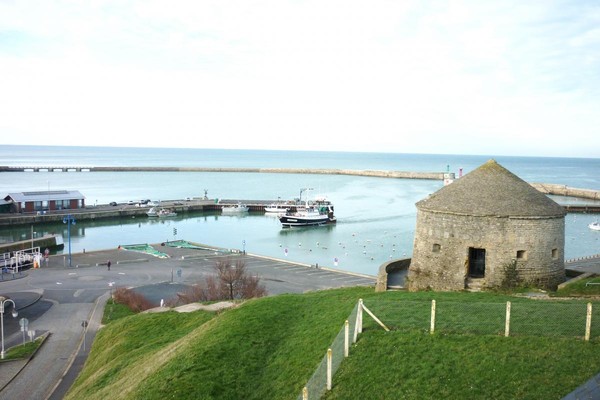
<point>422,366</point>
<point>114,311</point>
<point>269,348</point>
<point>579,288</point>
<point>23,350</point>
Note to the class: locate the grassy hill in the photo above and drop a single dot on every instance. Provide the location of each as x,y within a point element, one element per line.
<point>269,348</point>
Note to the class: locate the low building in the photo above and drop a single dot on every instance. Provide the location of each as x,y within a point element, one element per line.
<point>484,230</point>
<point>45,201</point>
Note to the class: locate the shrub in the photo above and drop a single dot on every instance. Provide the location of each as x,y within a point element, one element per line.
<point>135,301</point>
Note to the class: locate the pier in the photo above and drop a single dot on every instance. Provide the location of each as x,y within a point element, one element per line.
<point>105,211</point>
<point>328,171</point>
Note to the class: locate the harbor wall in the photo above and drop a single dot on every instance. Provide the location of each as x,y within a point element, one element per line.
<point>563,190</point>
<point>49,241</point>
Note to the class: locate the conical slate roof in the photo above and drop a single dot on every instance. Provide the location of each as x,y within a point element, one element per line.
<point>491,190</point>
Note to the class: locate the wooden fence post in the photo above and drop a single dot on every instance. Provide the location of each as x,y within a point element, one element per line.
<point>346,338</point>
<point>507,323</point>
<point>305,393</point>
<point>360,315</point>
<point>329,366</point>
<point>432,325</point>
<point>588,322</point>
<point>358,322</point>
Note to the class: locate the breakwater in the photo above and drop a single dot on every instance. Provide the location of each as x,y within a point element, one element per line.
<point>326,171</point>
<point>563,190</point>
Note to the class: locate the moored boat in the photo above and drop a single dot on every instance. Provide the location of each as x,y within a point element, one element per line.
<point>277,208</point>
<point>161,212</point>
<point>166,213</point>
<point>235,209</point>
<point>595,226</point>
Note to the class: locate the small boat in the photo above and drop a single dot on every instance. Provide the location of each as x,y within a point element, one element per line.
<point>276,208</point>
<point>166,213</point>
<point>161,213</point>
<point>595,226</point>
<point>235,209</point>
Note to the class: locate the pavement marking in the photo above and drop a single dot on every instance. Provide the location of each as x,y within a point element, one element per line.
<point>121,273</point>
<point>72,273</point>
<point>322,273</point>
<point>287,268</point>
<point>59,283</point>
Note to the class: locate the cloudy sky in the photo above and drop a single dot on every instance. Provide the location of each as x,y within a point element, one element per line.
<point>456,77</point>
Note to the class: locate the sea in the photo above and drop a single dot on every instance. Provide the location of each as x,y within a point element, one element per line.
<point>376,217</point>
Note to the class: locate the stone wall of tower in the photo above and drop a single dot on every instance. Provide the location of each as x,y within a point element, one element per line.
<point>440,258</point>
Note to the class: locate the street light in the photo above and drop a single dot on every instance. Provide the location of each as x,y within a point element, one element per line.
<point>69,220</point>
<point>14,314</point>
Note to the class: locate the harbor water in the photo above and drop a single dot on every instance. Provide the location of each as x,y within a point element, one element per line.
<point>376,216</point>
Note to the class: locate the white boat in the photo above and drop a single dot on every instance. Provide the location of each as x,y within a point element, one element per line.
<point>276,208</point>
<point>235,209</point>
<point>161,213</point>
<point>595,226</point>
<point>166,213</point>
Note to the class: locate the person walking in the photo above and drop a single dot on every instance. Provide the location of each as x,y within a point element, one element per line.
<point>108,265</point>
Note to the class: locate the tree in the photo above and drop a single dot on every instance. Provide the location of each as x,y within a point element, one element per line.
<point>230,282</point>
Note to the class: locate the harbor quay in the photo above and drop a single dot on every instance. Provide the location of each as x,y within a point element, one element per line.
<point>124,210</point>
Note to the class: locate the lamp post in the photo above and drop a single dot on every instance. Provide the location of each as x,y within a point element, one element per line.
<point>14,314</point>
<point>69,220</point>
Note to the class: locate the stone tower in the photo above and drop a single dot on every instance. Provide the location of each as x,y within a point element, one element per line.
<point>485,228</point>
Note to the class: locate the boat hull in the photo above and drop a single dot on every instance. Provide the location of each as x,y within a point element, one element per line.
<point>292,220</point>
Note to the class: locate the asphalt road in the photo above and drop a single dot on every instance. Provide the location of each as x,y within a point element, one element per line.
<point>67,296</point>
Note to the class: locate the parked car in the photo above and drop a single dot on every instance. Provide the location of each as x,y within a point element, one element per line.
<point>113,203</point>
<point>131,202</point>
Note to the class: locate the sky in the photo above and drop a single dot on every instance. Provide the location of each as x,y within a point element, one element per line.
<point>449,77</point>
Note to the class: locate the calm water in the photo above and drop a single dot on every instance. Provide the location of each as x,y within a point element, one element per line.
<point>376,216</point>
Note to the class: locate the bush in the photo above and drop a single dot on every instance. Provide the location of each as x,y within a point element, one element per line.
<point>135,301</point>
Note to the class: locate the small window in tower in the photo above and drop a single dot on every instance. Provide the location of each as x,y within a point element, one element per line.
<point>521,255</point>
<point>436,248</point>
<point>555,253</point>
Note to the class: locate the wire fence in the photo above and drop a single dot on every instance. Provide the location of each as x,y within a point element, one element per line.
<point>520,318</point>
<point>320,381</point>
<point>575,319</point>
